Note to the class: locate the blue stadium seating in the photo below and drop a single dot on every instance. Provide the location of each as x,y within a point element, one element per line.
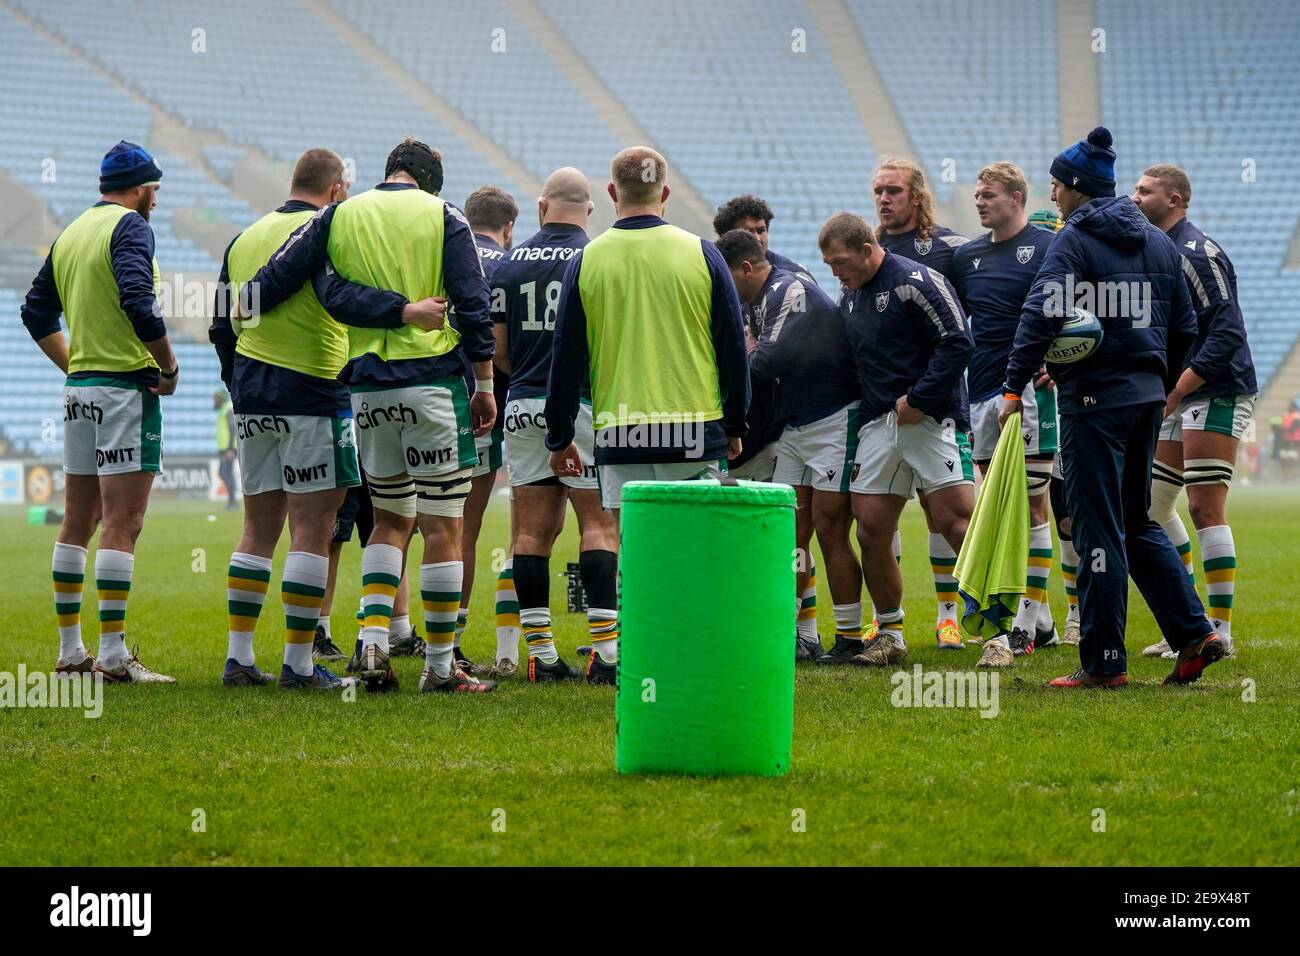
<point>1215,88</point>
<point>716,85</point>
<point>719,87</point>
<point>310,88</point>
<point>972,82</point>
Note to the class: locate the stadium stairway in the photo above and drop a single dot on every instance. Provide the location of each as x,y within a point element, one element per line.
<point>1078,90</point>
<point>857,71</point>
<point>380,60</point>
<point>689,210</point>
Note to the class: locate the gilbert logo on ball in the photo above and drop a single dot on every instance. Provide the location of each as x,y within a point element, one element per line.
<point>1080,336</point>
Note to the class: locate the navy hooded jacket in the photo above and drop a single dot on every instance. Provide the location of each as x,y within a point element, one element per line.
<point>1110,261</point>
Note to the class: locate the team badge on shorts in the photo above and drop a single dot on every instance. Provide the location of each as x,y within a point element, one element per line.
<point>1024,253</point>
<point>882,300</point>
<point>922,246</point>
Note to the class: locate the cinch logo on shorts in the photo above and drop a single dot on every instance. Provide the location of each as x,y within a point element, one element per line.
<point>114,456</point>
<point>440,456</point>
<point>400,412</point>
<point>311,473</point>
<point>518,421</point>
<point>72,410</point>
<point>248,427</point>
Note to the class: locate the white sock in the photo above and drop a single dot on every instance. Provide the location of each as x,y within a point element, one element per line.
<point>1038,564</point>
<point>440,585</point>
<point>302,590</point>
<point>399,626</point>
<point>247,582</point>
<point>848,620</point>
<point>536,623</point>
<point>462,622</point>
<point>1219,560</point>
<point>324,624</point>
<point>69,568</point>
<point>507,613</point>
<point>115,566</point>
<point>381,575</point>
<point>1070,573</point>
<point>943,562</point>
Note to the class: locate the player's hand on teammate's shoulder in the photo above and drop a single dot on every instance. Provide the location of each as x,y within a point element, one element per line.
<point>483,411</point>
<point>426,314</point>
<point>567,463</point>
<point>907,415</point>
<point>1044,379</point>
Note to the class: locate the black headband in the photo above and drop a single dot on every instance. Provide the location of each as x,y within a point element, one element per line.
<point>420,162</point>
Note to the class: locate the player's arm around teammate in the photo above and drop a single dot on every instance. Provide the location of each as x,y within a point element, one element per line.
<point>102,276</point>
<point>911,346</point>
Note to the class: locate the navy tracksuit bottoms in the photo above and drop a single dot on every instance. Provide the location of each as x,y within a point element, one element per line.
<point>1106,460</point>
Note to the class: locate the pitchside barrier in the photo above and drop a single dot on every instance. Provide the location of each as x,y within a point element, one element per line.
<point>704,561</point>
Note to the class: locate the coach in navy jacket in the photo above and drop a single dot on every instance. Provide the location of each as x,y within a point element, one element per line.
<point>1110,261</point>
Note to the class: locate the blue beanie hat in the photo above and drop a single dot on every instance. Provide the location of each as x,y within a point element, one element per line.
<point>1089,165</point>
<point>125,166</point>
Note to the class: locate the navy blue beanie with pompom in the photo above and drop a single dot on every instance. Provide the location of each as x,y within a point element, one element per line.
<point>1089,165</point>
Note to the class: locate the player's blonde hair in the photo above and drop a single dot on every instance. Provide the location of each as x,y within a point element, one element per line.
<point>914,178</point>
<point>639,174</point>
<point>1172,178</point>
<point>1007,175</point>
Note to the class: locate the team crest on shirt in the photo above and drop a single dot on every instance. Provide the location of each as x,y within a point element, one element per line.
<point>922,246</point>
<point>1024,253</point>
<point>882,300</point>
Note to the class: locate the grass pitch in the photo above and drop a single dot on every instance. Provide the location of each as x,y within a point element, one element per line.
<point>1191,776</point>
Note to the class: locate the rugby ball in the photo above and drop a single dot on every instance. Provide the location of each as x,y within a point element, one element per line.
<point>1079,337</point>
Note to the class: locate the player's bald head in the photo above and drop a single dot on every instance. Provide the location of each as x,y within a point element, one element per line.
<point>639,174</point>
<point>567,185</point>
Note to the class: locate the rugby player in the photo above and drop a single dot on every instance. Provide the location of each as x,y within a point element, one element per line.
<point>645,287</point>
<point>1211,404</point>
<point>297,449</point>
<point>525,300</point>
<point>757,459</point>
<point>415,421</point>
<point>102,276</point>
<point>754,215</point>
<point>992,275</point>
<point>491,212</point>
<point>905,211</point>
<point>799,339</point>
<point>1111,407</point>
<point>910,342</point>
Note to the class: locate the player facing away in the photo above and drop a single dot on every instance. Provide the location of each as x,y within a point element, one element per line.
<point>525,299</point>
<point>648,313</point>
<point>1211,403</point>
<point>102,276</point>
<point>910,343</point>
<point>754,215</point>
<point>992,275</point>
<point>1111,406</point>
<point>491,212</point>
<point>905,211</point>
<point>798,339</point>
<point>297,447</point>
<point>416,423</point>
